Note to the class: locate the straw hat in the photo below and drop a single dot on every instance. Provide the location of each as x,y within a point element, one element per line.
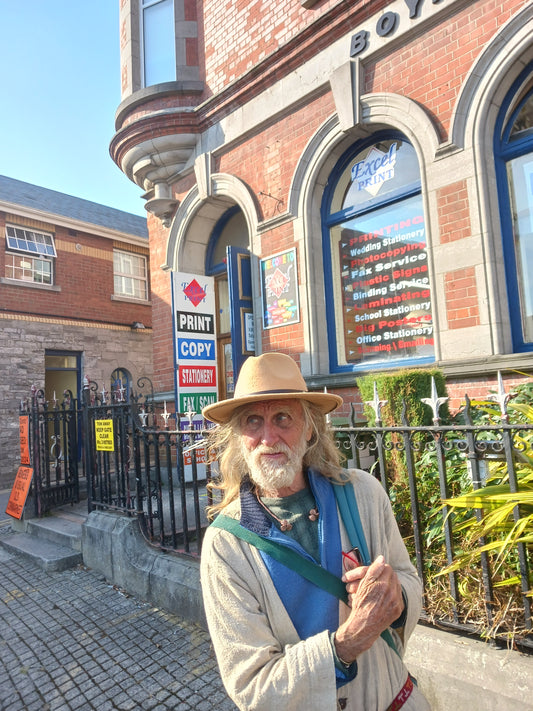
<point>271,376</point>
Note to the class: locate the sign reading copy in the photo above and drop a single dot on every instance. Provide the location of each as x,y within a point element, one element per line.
<point>195,345</point>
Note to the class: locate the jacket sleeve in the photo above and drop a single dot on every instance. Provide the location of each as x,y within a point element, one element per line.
<point>260,656</point>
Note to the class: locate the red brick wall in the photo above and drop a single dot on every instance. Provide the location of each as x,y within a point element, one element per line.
<point>85,279</point>
<point>462,308</point>
<point>431,69</point>
<point>163,352</point>
<point>454,212</point>
<point>241,33</point>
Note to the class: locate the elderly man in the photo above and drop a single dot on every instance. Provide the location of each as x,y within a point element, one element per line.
<point>284,637</point>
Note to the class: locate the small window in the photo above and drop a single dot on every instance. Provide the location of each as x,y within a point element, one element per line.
<point>158,41</point>
<point>130,272</point>
<point>29,255</point>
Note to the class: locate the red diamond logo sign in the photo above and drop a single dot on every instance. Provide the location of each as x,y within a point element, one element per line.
<point>194,293</point>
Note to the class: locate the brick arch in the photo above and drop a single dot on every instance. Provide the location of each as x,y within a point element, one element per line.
<point>475,115</point>
<point>378,111</point>
<point>196,217</point>
<point>490,78</point>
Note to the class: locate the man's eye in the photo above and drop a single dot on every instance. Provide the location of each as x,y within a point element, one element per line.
<point>283,419</point>
<point>252,422</point>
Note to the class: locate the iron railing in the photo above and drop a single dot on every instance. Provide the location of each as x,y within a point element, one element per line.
<point>157,471</point>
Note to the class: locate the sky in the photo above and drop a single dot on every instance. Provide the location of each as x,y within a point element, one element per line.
<point>60,88</point>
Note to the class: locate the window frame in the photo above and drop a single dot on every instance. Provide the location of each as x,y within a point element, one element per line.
<point>123,275</point>
<point>146,5</point>
<point>329,220</point>
<point>507,148</point>
<point>44,251</point>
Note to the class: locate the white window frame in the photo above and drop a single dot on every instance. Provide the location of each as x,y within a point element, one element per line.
<point>125,280</point>
<point>27,251</point>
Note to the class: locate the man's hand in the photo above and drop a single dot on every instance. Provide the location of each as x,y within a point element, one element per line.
<point>375,598</point>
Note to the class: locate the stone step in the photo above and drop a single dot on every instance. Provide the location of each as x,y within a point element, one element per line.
<point>47,555</point>
<point>62,530</point>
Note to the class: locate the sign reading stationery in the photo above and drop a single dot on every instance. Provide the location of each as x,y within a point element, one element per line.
<point>193,299</point>
<point>279,289</point>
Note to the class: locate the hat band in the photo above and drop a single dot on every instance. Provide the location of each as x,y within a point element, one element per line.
<point>274,392</point>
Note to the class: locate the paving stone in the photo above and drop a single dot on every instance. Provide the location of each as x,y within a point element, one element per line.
<point>69,641</point>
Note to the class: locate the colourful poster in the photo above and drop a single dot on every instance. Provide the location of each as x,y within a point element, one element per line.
<point>279,289</point>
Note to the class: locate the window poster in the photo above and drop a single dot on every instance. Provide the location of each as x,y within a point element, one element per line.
<point>279,289</point>
<point>385,289</point>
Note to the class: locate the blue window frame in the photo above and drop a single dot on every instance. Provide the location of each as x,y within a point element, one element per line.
<point>378,293</point>
<point>513,151</point>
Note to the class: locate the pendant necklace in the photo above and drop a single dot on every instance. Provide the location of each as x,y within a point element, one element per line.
<point>283,523</point>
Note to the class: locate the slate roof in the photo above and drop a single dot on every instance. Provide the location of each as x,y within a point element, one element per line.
<point>55,203</point>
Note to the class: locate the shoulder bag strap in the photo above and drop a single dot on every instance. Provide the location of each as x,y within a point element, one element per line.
<point>303,566</point>
<point>293,560</point>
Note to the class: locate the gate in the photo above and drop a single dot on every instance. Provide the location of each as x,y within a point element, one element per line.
<point>54,449</point>
<point>117,450</point>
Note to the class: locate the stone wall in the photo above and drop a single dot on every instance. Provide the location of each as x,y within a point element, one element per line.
<point>104,347</point>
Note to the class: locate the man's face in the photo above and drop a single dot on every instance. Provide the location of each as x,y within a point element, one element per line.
<point>274,441</point>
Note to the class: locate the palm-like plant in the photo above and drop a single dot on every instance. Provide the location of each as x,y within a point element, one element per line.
<point>502,518</point>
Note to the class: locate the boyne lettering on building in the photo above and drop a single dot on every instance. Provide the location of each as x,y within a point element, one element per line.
<point>387,25</point>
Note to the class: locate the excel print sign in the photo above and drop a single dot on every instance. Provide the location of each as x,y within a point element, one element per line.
<point>194,341</point>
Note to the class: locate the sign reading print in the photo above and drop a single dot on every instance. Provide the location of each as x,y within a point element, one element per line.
<point>279,289</point>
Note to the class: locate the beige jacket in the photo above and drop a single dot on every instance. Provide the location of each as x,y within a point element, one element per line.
<point>263,663</point>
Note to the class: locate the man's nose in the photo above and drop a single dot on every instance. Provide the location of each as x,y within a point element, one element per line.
<point>269,435</point>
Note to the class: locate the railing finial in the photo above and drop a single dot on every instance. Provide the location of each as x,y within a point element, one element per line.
<point>376,404</point>
<point>435,402</point>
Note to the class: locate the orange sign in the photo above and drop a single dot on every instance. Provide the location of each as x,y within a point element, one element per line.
<point>19,492</point>
<point>24,429</point>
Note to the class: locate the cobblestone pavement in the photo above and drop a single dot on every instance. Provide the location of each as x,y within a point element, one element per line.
<point>69,640</point>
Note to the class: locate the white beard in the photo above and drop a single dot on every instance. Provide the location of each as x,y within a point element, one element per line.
<point>271,476</point>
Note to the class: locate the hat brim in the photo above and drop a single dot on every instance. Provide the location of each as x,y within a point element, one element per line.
<point>221,412</point>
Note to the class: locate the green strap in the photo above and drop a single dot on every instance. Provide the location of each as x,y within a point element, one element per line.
<point>293,560</point>
<point>313,572</point>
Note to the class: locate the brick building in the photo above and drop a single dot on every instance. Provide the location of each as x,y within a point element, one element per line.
<point>74,301</point>
<point>375,161</point>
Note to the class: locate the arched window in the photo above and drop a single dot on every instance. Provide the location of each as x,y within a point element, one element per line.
<point>378,295</point>
<point>513,149</point>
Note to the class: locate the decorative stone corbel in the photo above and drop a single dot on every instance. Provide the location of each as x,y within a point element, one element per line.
<point>161,203</point>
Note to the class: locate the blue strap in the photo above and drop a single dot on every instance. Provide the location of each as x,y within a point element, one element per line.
<point>350,517</point>
<point>354,528</point>
<point>306,568</point>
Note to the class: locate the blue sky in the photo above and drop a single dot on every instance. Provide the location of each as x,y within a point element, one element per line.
<point>60,88</point>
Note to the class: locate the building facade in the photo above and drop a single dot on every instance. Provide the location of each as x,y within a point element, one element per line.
<point>373,159</point>
<point>75,302</point>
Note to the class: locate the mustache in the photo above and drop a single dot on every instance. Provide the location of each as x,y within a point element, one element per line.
<point>276,449</point>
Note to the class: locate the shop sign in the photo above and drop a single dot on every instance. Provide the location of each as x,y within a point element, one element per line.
<point>386,291</point>
<point>376,169</point>
<point>399,18</point>
<point>279,289</point>
<point>194,341</point>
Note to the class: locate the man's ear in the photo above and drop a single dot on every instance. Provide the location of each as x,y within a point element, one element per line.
<point>309,433</point>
